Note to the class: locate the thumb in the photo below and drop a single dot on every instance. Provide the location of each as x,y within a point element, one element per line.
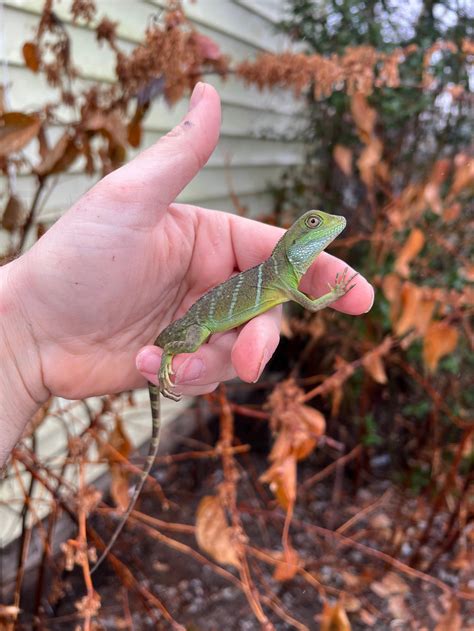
<point>158,174</point>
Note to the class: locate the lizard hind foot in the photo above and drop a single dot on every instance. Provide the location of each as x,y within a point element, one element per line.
<point>166,385</point>
<point>169,394</point>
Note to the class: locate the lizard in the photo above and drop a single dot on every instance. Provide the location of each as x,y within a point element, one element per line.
<point>236,301</point>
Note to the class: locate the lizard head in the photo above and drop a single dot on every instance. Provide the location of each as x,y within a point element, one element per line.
<point>308,236</point>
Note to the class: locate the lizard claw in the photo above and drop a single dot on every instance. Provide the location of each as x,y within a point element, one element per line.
<point>166,385</point>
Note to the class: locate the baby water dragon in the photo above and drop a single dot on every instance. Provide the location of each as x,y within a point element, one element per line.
<point>236,301</point>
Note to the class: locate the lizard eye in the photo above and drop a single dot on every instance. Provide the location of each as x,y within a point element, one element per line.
<point>313,221</point>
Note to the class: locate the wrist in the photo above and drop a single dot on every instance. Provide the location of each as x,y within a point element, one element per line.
<point>21,387</point>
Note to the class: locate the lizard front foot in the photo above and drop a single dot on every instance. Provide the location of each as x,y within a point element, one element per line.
<point>342,285</point>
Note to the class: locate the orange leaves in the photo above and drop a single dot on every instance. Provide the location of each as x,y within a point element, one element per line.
<point>334,618</point>
<point>343,158</point>
<point>13,215</point>
<point>463,174</point>
<point>374,366</point>
<point>287,565</point>
<point>431,192</point>
<point>373,361</point>
<point>299,427</point>
<point>119,485</point>
<point>370,163</point>
<point>441,339</point>
<point>17,130</point>
<point>412,309</point>
<point>364,116</point>
<point>31,56</point>
<point>452,620</point>
<point>281,477</point>
<point>413,245</point>
<point>213,533</point>
<point>60,157</point>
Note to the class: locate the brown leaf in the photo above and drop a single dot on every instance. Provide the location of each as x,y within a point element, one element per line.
<point>426,309</point>
<point>364,115</point>
<point>467,272</point>
<point>336,401</point>
<point>392,289</point>
<point>334,618</point>
<point>452,212</point>
<point>368,160</point>
<point>463,174</point>
<point>440,339</point>
<point>60,157</point>
<point>213,534</point>
<point>374,365</point>
<point>110,124</point>
<point>410,296</point>
<point>285,327</point>
<point>16,131</point>
<point>13,215</point>
<point>343,158</point>
<point>41,229</point>
<point>390,584</point>
<point>31,56</point>
<point>398,607</point>
<point>134,133</point>
<point>119,487</point>
<point>413,246</point>
<point>431,192</point>
<point>288,565</point>
<point>452,620</point>
<point>43,143</point>
<point>119,440</point>
<point>281,477</point>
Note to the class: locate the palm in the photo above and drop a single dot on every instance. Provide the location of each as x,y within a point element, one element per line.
<point>118,286</point>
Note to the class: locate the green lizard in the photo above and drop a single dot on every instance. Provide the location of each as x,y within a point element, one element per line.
<point>236,301</point>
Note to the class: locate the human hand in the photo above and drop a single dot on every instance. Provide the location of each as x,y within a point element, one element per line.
<point>124,261</point>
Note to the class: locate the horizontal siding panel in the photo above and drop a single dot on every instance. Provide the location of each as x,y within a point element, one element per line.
<point>236,121</point>
<point>271,10</point>
<point>234,20</point>
<point>29,91</point>
<point>69,187</point>
<point>255,206</point>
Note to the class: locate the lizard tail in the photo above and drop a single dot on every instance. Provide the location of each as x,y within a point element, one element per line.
<point>152,452</point>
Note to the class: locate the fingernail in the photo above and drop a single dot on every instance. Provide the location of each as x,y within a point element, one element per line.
<point>190,370</point>
<point>263,363</point>
<point>373,299</point>
<point>196,95</point>
<point>147,362</point>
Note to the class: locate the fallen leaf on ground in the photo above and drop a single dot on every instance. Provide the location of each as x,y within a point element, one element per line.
<point>334,618</point>
<point>213,533</point>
